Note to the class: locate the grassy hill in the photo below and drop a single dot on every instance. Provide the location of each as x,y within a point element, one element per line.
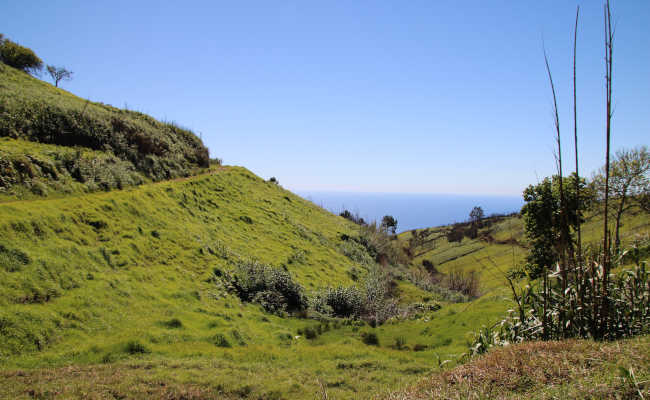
<point>133,146</point>
<point>124,279</point>
<point>116,239</point>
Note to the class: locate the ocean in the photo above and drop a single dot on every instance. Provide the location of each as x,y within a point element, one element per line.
<point>413,210</point>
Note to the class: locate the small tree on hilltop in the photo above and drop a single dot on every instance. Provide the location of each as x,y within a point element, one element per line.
<point>476,215</point>
<point>59,74</point>
<point>389,223</point>
<point>19,57</point>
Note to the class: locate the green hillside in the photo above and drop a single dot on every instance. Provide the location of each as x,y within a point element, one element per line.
<point>133,145</point>
<point>125,278</point>
<point>120,250</point>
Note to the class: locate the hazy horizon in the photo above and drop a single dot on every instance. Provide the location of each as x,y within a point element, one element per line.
<point>413,210</point>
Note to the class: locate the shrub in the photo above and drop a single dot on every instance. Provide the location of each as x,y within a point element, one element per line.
<point>420,347</point>
<point>432,284</point>
<point>273,288</point>
<point>135,347</point>
<point>173,323</point>
<point>220,340</point>
<point>456,234</point>
<point>339,302</point>
<point>545,312</point>
<point>381,246</point>
<point>356,252</point>
<point>352,217</point>
<point>12,260</point>
<point>19,57</point>
<point>310,333</point>
<point>466,283</point>
<point>370,338</point>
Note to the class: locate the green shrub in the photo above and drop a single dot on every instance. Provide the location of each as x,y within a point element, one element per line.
<point>220,340</point>
<point>12,260</point>
<point>310,333</point>
<point>173,323</point>
<point>135,347</point>
<point>379,304</point>
<point>339,302</point>
<point>550,313</point>
<point>356,252</point>
<point>420,347</point>
<point>238,337</point>
<point>19,57</point>
<point>370,338</point>
<point>273,288</point>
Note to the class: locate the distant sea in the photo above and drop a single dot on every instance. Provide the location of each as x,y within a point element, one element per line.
<point>413,210</point>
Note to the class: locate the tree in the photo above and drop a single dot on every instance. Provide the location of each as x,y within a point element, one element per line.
<point>629,183</point>
<point>59,74</point>
<point>543,219</point>
<point>389,223</point>
<point>476,215</point>
<point>17,56</point>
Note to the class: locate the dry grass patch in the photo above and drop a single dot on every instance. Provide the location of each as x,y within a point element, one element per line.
<point>545,370</point>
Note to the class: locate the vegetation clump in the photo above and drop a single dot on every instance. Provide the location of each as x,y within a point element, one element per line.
<point>19,57</point>
<point>272,288</point>
<point>339,302</point>
<point>31,111</point>
<point>370,338</point>
<point>135,347</point>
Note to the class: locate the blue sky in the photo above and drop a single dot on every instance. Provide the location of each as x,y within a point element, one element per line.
<point>372,96</point>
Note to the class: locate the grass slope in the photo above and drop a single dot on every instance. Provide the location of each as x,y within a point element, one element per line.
<point>31,170</point>
<point>33,110</point>
<point>120,282</point>
<point>109,295</point>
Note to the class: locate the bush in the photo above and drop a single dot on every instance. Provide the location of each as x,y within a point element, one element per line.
<point>273,288</point>
<point>19,57</point>
<point>420,347</point>
<point>433,285</point>
<point>12,260</point>
<point>379,303</point>
<point>548,313</point>
<point>310,333</point>
<point>456,234</point>
<point>340,302</point>
<point>174,323</point>
<point>220,340</point>
<point>370,338</point>
<point>357,253</point>
<point>135,347</point>
<point>466,283</point>
<point>352,217</point>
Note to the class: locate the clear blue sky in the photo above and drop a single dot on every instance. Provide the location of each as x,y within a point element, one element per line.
<point>404,96</point>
